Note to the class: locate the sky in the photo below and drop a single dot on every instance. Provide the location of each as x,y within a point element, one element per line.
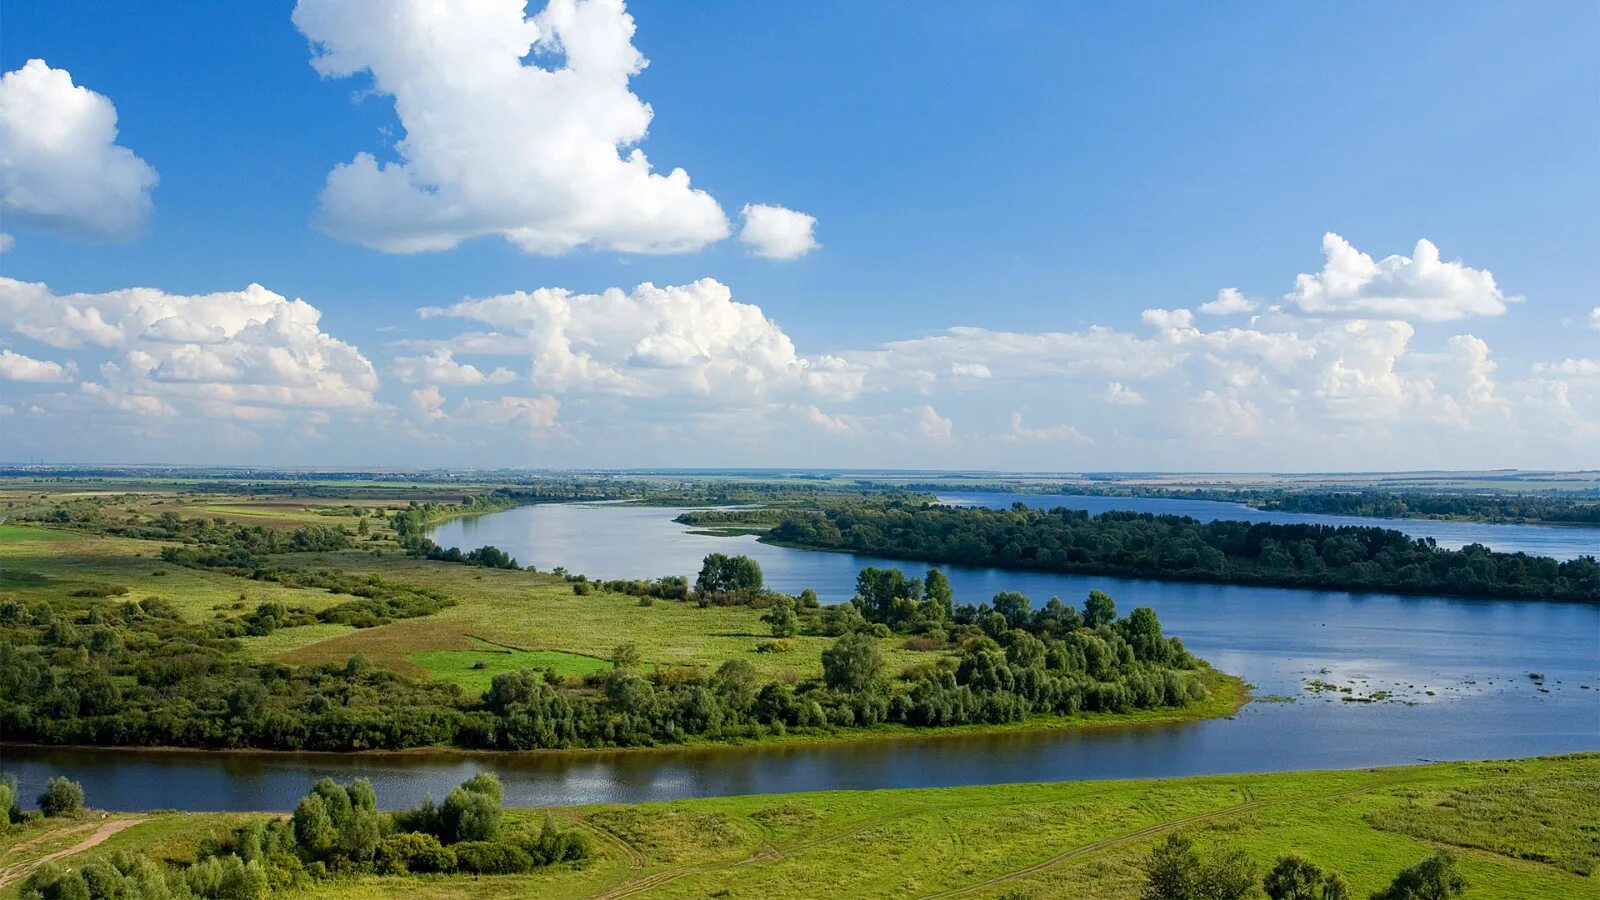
<point>1004,236</point>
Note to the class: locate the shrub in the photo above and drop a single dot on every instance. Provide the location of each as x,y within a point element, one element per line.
<point>61,797</point>
<point>774,645</point>
<point>412,851</point>
<point>491,858</point>
<point>1435,878</point>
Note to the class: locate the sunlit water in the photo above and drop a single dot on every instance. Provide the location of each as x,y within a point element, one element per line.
<point>1474,656</point>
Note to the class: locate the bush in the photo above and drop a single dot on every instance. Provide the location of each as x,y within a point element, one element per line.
<point>491,858</point>
<point>61,797</point>
<point>1435,878</point>
<point>413,851</point>
<point>775,645</point>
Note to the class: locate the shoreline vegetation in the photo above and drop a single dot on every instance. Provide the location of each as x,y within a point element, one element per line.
<point>1575,508</point>
<point>100,664</point>
<point>1504,828</point>
<point>1166,547</point>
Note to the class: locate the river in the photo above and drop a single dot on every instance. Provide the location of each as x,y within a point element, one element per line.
<point>1458,672</point>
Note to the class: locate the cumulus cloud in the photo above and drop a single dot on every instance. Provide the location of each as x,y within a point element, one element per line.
<point>1119,394</point>
<point>930,425</point>
<point>1167,319</point>
<point>777,233</point>
<point>532,413</point>
<point>17,367</point>
<point>691,342</point>
<point>1594,318</point>
<point>7,242</point>
<point>439,366</point>
<point>61,170</point>
<point>1230,301</point>
<point>236,347</point>
<point>1420,287</point>
<point>1051,434</point>
<point>517,126</point>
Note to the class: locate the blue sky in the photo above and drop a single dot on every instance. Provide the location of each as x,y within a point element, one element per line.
<point>1046,173</point>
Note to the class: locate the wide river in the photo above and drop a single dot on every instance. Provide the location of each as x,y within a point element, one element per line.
<point>1459,672</point>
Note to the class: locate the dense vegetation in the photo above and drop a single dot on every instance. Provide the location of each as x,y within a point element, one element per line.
<point>336,832</point>
<point>1476,507</point>
<point>103,668</point>
<point>1143,545</point>
<point>1568,507</point>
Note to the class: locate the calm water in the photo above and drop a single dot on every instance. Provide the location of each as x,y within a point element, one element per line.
<point>1474,657</point>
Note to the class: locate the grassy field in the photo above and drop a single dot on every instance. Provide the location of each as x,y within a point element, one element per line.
<point>1522,829</point>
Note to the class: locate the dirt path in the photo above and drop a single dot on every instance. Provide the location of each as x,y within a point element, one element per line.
<point>19,871</point>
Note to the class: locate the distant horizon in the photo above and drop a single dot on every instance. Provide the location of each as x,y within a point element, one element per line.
<point>809,470</point>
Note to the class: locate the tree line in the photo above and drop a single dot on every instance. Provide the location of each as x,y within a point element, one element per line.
<point>336,832</point>
<point>1144,545</point>
<point>1176,870</point>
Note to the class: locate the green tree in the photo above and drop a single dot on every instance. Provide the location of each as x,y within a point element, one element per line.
<point>782,618</point>
<point>8,799</point>
<point>936,587</point>
<point>1170,870</point>
<point>1435,878</point>
<point>470,815</point>
<point>852,664</point>
<point>1293,877</point>
<point>313,826</point>
<point>61,797</point>
<point>625,656</point>
<point>1099,610</point>
<point>722,574</point>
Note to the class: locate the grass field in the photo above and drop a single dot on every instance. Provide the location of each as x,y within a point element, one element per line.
<point>1522,829</point>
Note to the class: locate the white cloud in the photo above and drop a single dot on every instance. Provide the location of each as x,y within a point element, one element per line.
<point>777,233</point>
<point>1119,394</point>
<point>1168,319</point>
<point>236,347</point>
<point>427,402</point>
<point>531,413</point>
<point>440,367</point>
<point>495,142</point>
<point>1575,368</point>
<point>143,404</point>
<point>1053,434</point>
<point>931,425</point>
<point>7,242</point>
<point>16,367</point>
<point>1230,301</point>
<point>61,170</point>
<point>690,342</point>
<point>1420,287</point>
<point>970,370</point>
<point>1594,318</point>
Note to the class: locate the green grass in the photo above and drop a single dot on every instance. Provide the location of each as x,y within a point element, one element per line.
<point>1071,839</point>
<point>10,534</point>
<point>457,666</point>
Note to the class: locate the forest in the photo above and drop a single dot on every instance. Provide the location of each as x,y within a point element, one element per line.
<point>1145,545</point>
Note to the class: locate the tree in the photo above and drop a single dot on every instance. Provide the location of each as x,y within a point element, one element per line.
<point>1170,870</point>
<point>852,664</point>
<point>61,797</point>
<point>1435,878</point>
<point>313,827</point>
<point>1099,610</point>
<point>722,574</point>
<point>8,799</point>
<point>782,618</point>
<point>1174,871</point>
<point>625,656</point>
<point>936,587</point>
<point>1293,877</point>
<point>470,815</point>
